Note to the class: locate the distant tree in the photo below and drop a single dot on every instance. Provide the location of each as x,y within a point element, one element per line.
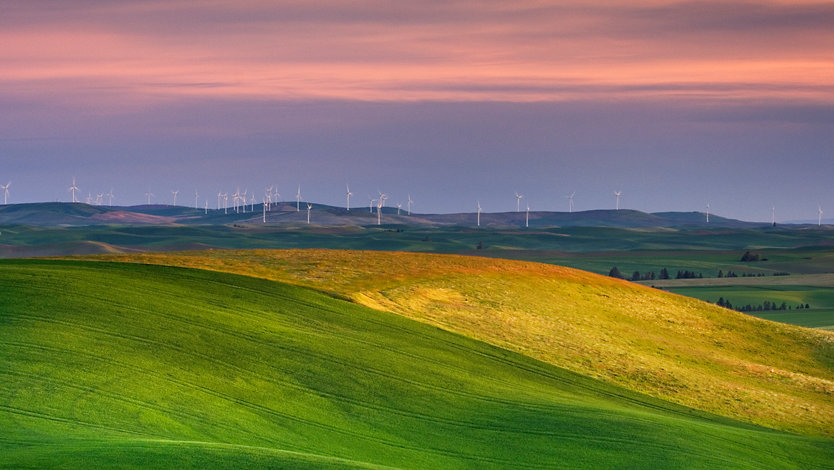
<point>748,257</point>
<point>635,276</point>
<point>664,274</point>
<point>807,306</point>
<point>720,273</point>
<point>480,245</point>
<point>615,273</point>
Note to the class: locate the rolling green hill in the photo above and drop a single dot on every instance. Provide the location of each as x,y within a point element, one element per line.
<point>108,365</point>
<point>671,347</point>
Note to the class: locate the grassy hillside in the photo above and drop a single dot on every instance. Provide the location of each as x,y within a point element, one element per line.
<point>676,348</point>
<point>124,366</point>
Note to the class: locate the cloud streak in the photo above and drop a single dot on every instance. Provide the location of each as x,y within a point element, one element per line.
<point>130,53</point>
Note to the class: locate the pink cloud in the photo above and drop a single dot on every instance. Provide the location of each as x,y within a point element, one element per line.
<point>130,55</point>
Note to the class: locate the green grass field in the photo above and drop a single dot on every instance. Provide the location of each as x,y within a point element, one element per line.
<point>665,345</point>
<point>124,366</point>
<point>820,298</point>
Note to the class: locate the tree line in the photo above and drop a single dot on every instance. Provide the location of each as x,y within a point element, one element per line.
<point>763,307</point>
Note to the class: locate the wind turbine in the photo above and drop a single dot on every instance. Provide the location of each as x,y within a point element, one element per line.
<point>570,201</point>
<point>309,208</point>
<point>243,197</point>
<point>149,195</point>
<point>707,212</point>
<point>527,219</point>
<point>371,202</point>
<point>518,202</point>
<point>206,208</point>
<point>618,194</point>
<point>73,189</point>
<point>349,194</point>
<point>819,216</point>
<point>479,213</point>
<point>772,216</point>
<point>298,199</point>
<point>110,197</point>
<point>219,197</point>
<point>265,204</point>
<point>99,199</point>
<point>268,197</point>
<point>252,203</point>
<point>5,192</point>
<point>399,206</point>
<point>380,205</point>
<point>225,203</point>
<point>410,202</point>
<point>175,192</point>
<point>89,198</point>
<point>196,196</point>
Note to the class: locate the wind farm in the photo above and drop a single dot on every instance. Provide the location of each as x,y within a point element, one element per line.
<point>686,324</point>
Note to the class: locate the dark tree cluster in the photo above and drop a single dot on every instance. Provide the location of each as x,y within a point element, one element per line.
<point>765,306</point>
<point>647,276</point>
<point>748,257</point>
<point>689,275</point>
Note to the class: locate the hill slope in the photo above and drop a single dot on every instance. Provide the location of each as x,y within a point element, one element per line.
<point>672,347</point>
<point>122,366</point>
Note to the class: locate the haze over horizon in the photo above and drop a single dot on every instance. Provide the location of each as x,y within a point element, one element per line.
<point>677,104</point>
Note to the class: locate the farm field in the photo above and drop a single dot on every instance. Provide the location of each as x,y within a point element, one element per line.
<point>796,291</point>
<point>641,338</point>
<point>122,366</point>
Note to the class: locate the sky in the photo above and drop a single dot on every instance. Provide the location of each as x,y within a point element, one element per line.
<point>675,104</point>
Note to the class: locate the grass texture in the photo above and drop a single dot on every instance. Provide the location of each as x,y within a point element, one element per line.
<point>668,346</point>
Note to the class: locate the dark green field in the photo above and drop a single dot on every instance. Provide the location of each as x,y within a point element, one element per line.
<point>124,366</point>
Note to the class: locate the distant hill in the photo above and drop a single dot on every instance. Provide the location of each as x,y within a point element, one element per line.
<point>79,214</point>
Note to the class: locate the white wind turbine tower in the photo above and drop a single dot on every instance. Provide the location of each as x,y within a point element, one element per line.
<point>235,199</point>
<point>518,202</point>
<point>5,189</point>
<point>268,197</point>
<point>252,203</point>
<point>196,197</point>
<point>73,189</point>
<point>527,219</point>
<point>99,199</point>
<point>772,216</point>
<point>819,216</point>
<point>570,201</point>
<point>410,202</point>
<point>206,208</point>
<point>110,197</point>
<point>243,198</point>
<point>349,194</point>
<point>175,192</point>
<point>225,203</point>
<point>309,208</point>
<point>371,202</point>
<point>265,205</point>
<point>618,194</point>
<point>707,212</point>
<point>89,198</point>
<point>379,206</point>
<point>479,213</point>
<point>149,195</point>
<point>298,199</point>
<point>399,206</point>
<point>219,197</point>
<point>275,194</point>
